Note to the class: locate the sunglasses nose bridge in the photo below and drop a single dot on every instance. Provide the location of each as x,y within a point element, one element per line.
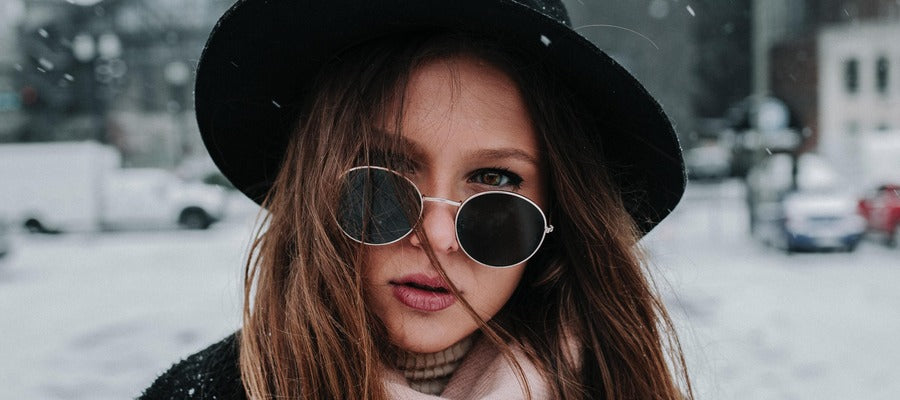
<point>441,200</point>
<point>439,225</point>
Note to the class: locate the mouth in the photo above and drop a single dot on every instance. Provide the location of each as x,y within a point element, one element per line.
<point>423,282</point>
<point>423,293</point>
<point>424,287</point>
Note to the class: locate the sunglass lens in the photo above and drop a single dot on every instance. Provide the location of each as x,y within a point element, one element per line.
<point>377,206</point>
<point>500,229</point>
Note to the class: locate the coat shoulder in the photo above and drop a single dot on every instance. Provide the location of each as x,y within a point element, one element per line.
<point>212,373</point>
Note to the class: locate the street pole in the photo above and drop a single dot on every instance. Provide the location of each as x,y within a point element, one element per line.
<point>761,41</point>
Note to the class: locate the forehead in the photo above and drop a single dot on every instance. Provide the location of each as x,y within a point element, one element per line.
<point>463,104</point>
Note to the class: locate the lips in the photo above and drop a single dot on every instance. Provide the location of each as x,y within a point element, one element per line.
<point>423,293</point>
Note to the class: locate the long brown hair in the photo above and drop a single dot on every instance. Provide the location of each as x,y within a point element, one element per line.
<point>584,312</point>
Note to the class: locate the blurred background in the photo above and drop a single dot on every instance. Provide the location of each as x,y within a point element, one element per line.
<point>121,246</point>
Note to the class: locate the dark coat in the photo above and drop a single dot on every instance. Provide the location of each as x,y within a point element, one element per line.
<point>213,373</point>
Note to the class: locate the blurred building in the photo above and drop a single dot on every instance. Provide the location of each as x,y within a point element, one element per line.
<point>654,41</point>
<point>724,57</point>
<point>121,71</point>
<point>11,116</point>
<point>115,71</point>
<point>797,60</point>
<point>859,96</point>
<point>858,84</point>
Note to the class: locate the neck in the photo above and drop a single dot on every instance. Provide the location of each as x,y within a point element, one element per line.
<point>429,372</point>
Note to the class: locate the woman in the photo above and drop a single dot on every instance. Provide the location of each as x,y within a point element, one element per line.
<point>455,191</point>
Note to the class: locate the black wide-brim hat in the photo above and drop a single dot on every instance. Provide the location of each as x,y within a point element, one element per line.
<point>263,54</point>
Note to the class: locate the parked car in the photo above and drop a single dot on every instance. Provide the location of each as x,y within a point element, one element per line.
<point>881,209</point>
<point>54,186</point>
<point>156,198</point>
<point>709,161</point>
<point>812,213</point>
<point>79,186</point>
<point>814,221</point>
<point>770,180</point>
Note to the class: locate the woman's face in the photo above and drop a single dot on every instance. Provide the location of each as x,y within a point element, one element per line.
<point>465,130</point>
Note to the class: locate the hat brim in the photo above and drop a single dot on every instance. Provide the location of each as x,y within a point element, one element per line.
<point>261,55</point>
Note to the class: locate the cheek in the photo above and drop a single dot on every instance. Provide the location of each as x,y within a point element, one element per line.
<point>378,263</point>
<point>377,270</point>
<point>494,288</point>
<point>384,263</point>
<point>373,262</point>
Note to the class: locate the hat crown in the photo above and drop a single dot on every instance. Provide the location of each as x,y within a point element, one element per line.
<point>263,54</point>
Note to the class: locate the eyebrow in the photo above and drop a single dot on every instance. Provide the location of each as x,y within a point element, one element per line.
<point>416,151</point>
<point>407,146</point>
<point>505,153</point>
<point>412,148</point>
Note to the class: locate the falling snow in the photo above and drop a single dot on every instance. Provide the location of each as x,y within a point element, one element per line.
<point>691,10</point>
<point>545,40</point>
<point>46,64</point>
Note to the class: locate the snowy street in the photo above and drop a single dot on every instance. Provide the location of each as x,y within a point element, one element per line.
<point>99,316</point>
<point>759,324</point>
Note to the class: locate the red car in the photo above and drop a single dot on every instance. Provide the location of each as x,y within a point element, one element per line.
<point>881,209</point>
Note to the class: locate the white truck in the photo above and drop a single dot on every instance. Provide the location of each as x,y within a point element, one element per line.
<point>78,186</point>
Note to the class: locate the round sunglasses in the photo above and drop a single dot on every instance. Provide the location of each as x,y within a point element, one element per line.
<point>379,206</point>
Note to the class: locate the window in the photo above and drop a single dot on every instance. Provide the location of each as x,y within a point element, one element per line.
<point>882,77</point>
<point>851,75</point>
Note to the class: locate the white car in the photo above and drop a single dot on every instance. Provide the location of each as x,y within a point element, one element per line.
<point>820,221</point>
<point>156,198</point>
<point>709,161</point>
<point>817,214</point>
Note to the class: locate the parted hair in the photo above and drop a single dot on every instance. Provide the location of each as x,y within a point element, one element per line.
<point>585,312</point>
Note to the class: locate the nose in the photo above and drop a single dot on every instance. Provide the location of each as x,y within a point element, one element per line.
<point>439,225</point>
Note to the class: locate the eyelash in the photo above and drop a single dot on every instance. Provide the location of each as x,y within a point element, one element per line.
<point>515,181</point>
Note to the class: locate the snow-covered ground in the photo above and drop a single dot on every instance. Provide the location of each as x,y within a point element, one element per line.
<point>99,316</point>
<point>759,324</point>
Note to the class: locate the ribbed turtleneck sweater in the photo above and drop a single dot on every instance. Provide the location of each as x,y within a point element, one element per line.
<point>429,372</point>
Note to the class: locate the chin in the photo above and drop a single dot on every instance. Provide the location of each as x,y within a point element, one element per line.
<point>429,335</point>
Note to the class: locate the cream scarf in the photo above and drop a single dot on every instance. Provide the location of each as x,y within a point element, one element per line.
<point>483,374</point>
